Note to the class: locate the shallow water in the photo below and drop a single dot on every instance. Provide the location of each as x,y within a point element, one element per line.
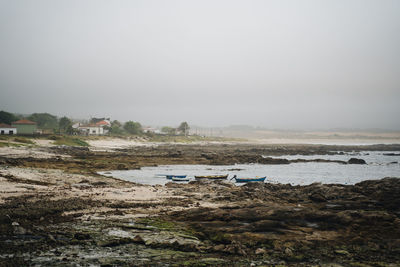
<point>378,166</point>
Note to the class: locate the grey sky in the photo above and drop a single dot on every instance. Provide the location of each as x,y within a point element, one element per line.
<point>288,64</point>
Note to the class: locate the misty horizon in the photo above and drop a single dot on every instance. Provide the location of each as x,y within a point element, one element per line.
<point>271,64</point>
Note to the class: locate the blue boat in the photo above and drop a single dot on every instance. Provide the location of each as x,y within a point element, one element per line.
<point>176,176</point>
<point>246,180</point>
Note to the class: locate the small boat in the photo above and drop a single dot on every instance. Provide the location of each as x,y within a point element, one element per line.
<point>180,178</point>
<point>246,180</point>
<point>176,176</point>
<point>161,175</point>
<point>213,177</point>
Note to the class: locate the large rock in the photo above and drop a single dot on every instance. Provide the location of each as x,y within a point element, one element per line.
<point>356,161</point>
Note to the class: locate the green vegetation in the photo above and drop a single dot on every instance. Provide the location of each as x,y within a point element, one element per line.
<point>10,144</point>
<point>7,118</point>
<point>65,126</point>
<point>169,226</point>
<point>116,128</point>
<point>68,141</point>
<point>133,127</point>
<point>168,130</point>
<point>23,140</point>
<point>44,120</point>
<point>4,144</point>
<point>184,128</point>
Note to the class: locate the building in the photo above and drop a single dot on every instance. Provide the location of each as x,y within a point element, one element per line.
<point>104,123</point>
<point>152,130</point>
<point>25,126</point>
<point>91,129</point>
<point>7,129</point>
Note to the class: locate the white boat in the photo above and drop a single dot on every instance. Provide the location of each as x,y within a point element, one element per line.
<point>180,179</point>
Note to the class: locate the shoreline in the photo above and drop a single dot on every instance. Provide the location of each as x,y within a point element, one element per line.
<point>56,210</point>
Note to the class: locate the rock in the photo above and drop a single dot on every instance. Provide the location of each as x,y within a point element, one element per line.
<point>81,236</point>
<point>269,160</point>
<point>260,251</point>
<point>18,230</point>
<point>317,197</point>
<point>122,167</point>
<point>342,252</point>
<point>219,248</point>
<point>289,252</point>
<point>115,242</point>
<point>82,186</point>
<point>356,161</point>
<point>138,239</point>
<point>209,156</point>
<point>51,237</point>
<point>386,191</point>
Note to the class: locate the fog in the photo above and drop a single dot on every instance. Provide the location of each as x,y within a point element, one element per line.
<point>278,64</point>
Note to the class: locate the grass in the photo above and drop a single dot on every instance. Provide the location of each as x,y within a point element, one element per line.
<point>69,141</point>
<point>23,140</point>
<point>7,144</point>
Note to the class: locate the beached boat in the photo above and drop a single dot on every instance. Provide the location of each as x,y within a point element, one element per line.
<point>214,177</point>
<point>246,180</point>
<point>180,178</point>
<point>176,176</point>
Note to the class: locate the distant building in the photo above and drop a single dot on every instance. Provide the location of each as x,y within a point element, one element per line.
<point>98,128</point>
<point>91,129</point>
<point>151,130</point>
<point>25,126</point>
<point>7,129</point>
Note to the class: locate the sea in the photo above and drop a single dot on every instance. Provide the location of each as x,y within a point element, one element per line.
<point>379,165</point>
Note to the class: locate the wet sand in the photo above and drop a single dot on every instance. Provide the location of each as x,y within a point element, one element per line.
<point>55,210</point>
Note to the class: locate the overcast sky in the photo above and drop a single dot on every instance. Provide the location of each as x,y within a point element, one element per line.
<point>278,64</point>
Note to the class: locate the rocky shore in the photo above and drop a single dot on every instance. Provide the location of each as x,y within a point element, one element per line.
<point>55,210</point>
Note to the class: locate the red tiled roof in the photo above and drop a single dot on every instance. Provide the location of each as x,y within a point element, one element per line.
<point>102,123</point>
<point>24,122</point>
<point>3,125</point>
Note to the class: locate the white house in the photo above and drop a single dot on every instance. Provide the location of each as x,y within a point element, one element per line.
<point>7,129</point>
<point>91,129</point>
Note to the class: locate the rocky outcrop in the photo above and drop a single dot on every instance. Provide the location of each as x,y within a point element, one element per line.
<point>308,220</point>
<point>356,161</point>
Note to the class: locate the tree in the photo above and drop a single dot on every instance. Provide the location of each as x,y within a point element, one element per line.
<point>116,130</point>
<point>168,130</point>
<point>7,118</point>
<point>65,125</point>
<point>116,123</point>
<point>96,120</point>
<point>116,127</point>
<point>44,120</point>
<point>184,128</point>
<point>133,127</point>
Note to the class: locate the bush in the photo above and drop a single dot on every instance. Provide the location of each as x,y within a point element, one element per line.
<point>69,141</point>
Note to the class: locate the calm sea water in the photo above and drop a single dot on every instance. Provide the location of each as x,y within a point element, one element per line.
<point>378,166</point>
